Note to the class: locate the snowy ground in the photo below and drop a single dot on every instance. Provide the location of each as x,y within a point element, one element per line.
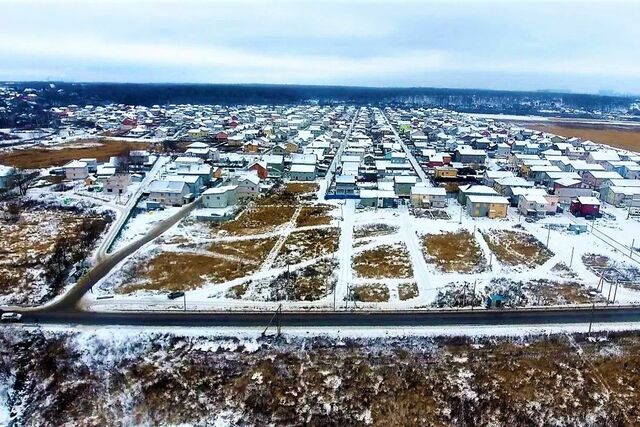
<point>567,248</point>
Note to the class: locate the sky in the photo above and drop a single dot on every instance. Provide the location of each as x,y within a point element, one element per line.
<point>580,46</point>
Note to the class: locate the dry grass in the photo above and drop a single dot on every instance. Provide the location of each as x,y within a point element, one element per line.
<point>301,188</point>
<point>253,251</point>
<point>373,230</point>
<point>237,291</point>
<point>33,158</point>
<point>28,246</point>
<point>259,219</point>
<point>386,261</point>
<point>308,244</point>
<point>454,252</point>
<point>407,291</point>
<point>181,271</point>
<point>371,292</point>
<point>604,134</point>
<point>517,248</point>
<point>314,215</point>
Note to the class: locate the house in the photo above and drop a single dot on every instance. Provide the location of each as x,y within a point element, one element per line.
<point>445,172</point>
<point>275,164</point>
<point>194,182</point>
<point>489,177</point>
<point>489,206</point>
<point>303,172</point>
<point>7,176</point>
<point>465,191</point>
<point>260,168</point>
<point>379,198</point>
<point>622,196</point>
<point>402,184</point>
<point>345,184</point>
<point>470,155</point>
<point>248,186</point>
<point>601,157</point>
<point>585,206</point>
<point>138,157</point>
<point>537,205</point>
<point>595,179</point>
<point>117,184</point>
<point>170,193</point>
<point>76,169</point>
<point>92,163</point>
<point>220,197</point>
<point>506,185</point>
<point>568,189</point>
<point>423,196</point>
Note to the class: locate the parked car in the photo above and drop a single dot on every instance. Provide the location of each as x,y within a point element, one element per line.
<point>11,317</point>
<point>174,295</point>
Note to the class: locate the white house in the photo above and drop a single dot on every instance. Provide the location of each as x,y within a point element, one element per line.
<point>303,172</point>
<point>248,186</point>
<point>76,169</point>
<point>172,193</point>
<point>423,196</point>
<point>220,197</point>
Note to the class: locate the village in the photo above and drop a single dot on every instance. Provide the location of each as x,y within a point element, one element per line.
<point>324,208</point>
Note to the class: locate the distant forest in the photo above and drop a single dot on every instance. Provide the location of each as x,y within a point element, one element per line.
<point>475,100</point>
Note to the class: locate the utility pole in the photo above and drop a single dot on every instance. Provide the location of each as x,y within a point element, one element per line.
<point>548,235</point>
<point>184,298</point>
<point>571,262</point>
<point>609,294</point>
<point>615,292</point>
<point>490,260</point>
<point>473,295</point>
<point>460,214</point>
<point>633,242</point>
<point>593,309</point>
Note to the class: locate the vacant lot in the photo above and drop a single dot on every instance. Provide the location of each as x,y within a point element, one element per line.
<point>309,244</point>
<point>34,158</point>
<point>310,283</point>
<point>301,188</point>
<point>314,215</point>
<point>407,291</point>
<point>180,271</point>
<point>614,136</point>
<point>371,292</point>
<point>38,249</point>
<point>626,274</point>
<point>454,252</point>
<point>386,261</point>
<point>251,251</point>
<point>373,230</point>
<point>258,220</point>
<point>517,248</point>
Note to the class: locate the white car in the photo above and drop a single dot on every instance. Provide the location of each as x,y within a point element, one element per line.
<point>11,317</point>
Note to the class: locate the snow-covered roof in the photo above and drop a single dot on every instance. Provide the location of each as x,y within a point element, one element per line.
<point>488,199</point>
<point>587,200</point>
<point>220,190</point>
<point>303,168</point>
<point>423,190</point>
<point>166,187</point>
<point>75,164</point>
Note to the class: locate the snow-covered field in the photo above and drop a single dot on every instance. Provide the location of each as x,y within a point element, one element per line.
<point>560,278</point>
<point>141,376</point>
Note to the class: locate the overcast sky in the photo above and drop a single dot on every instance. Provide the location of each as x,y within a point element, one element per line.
<point>581,46</point>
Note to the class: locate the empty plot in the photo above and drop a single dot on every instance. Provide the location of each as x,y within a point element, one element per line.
<point>371,292</point>
<point>301,188</point>
<point>102,150</point>
<point>254,250</point>
<point>180,271</point>
<point>386,261</point>
<point>454,252</point>
<point>407,291</point>
<point>517,248</point>
<point>314,215</point>
<point>310,283</point>
<point>258,220</point>
<point>373,230</point>
<point>308,244</point>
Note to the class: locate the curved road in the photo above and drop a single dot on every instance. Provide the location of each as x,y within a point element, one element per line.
<point>68,302</point>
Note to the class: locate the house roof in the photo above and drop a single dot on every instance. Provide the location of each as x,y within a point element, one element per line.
<point>303,168</point>
<point>586,200</point>
<point>488,199</point>
<point>220,190</point>
<point>423,190</point>
<point>75,164</point>
<point>167,187</point>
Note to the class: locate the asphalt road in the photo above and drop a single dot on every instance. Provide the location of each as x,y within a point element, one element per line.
<point>377,319</point>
